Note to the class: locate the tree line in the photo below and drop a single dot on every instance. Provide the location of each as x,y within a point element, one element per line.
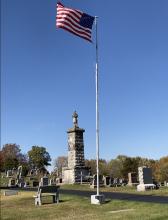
<point>38,158</point>
<point>11,157</point>
<point>121,166</point>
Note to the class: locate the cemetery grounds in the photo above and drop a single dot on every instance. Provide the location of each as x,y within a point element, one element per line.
<point>73,207</point>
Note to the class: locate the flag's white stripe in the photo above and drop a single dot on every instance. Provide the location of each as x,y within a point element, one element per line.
<point>69,15</point>
<point>69,11</point>
<point>64,17</point>
<point>76,32</point>
<point>77,12</point>
<point>74,16</point>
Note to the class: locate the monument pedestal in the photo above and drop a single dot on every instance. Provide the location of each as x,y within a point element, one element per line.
<point>76,171</point>
<point>97,199</point>
<point>75,175</point>
<point>144,187</point>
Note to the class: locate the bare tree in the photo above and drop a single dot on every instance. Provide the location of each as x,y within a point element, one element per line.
<point>59,163</point>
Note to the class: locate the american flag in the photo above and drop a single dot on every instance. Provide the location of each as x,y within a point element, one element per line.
<point>74,21</point>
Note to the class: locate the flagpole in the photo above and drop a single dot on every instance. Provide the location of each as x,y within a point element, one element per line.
<point>97,109</point>
<point>97,199</point>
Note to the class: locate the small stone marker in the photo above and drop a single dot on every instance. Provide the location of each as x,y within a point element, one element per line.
<point>10,192</point>
<point>94,181</point>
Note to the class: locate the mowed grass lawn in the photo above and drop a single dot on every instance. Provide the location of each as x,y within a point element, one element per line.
<point>73,207</point>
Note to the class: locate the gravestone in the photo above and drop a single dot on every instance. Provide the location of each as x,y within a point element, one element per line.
<point>116,182</point>
<point>9,173</point>
<point>107,180</point>
<point>58,180</point>
<point>10,192</point>
<point>145,179</point>
<point>12,183</point>
<point>94,181</point>
<point>44,181</point>
<point>19,172</point>
<point>26,184</point>
<point>52,182</point>
<point>123,182</point>
<point>132,179</point>
<point>21,182</point>
<point>165,183</point>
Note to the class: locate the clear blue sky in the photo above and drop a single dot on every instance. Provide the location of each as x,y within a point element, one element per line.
<point>47,73</point>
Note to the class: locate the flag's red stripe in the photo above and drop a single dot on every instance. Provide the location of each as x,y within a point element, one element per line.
<point>76,31</point>
<point>77,14</point>
<point>73,17</point>
<point>69,9</point>
<point>73,29</point>
<point>65,17</point>
<point>63,27</point>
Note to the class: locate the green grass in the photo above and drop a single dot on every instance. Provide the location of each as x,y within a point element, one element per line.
<point>79,208</point>
<point>163,191</point>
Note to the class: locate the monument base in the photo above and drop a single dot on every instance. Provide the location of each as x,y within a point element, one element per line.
<point>78,174</point>
<point>132,184</point>
<point>97,199</point>
<point>144,187</point>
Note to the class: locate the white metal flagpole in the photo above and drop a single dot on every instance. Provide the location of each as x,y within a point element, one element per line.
<point>97,109</point>
<point>97,199</point>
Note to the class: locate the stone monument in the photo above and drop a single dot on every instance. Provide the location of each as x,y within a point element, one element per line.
<point>145,179</point>
<point>76,160</point>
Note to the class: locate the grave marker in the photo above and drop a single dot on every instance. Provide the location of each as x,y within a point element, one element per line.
<point>145,179</point>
